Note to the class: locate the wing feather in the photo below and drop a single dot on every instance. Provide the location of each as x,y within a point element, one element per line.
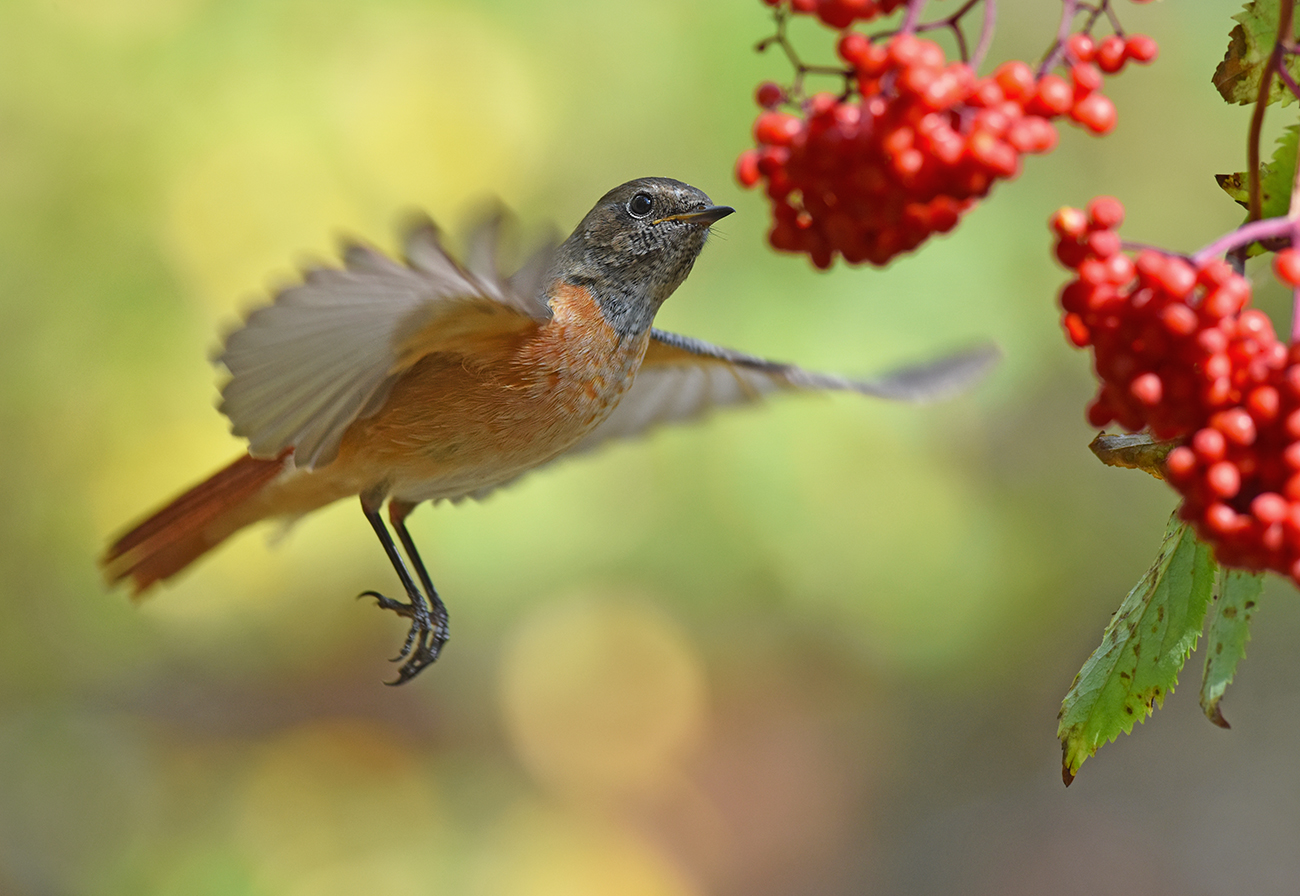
<point>683,379</point>
<point>327,350</point>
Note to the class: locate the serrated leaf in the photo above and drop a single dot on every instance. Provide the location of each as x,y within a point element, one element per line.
<point>1142,650</point>
<point>1225,642</point>
<point>1250,44</point>
<point>1277,178</point>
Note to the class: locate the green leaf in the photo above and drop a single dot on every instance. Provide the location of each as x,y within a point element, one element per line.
<point>1230,616</point>
<point>1277,177</point>
<point>1143,649</point>
<point>1249,47</point>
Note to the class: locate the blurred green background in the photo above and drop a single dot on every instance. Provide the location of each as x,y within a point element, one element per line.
<point>815,648</point>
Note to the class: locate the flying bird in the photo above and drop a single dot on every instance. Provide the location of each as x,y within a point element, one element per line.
<point>430,379</point>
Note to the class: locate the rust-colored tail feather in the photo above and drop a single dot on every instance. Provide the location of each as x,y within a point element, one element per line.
<point>189,526</point>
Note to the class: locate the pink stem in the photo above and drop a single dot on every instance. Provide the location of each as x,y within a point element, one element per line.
<point>1267,229</point>
<point>1069,8</point>
<point>914,8</point>
<point>986,33</point>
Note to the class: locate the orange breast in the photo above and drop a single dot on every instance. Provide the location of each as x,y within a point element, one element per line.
<point>461,421</point>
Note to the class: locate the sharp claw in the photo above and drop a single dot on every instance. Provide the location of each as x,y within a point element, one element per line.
<point>424,639</point>
<point>409,644</point>
<point>422,658</point>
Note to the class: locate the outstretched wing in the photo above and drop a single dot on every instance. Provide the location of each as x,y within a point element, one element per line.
<point>327,351</point>
<point>682,379</point>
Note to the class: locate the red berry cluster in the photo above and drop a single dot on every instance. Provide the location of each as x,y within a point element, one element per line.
<point>873,173</point>
<point>1178,350</point>
<point>839,13</point>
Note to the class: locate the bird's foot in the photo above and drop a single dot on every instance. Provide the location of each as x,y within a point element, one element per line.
<point>424,639</point>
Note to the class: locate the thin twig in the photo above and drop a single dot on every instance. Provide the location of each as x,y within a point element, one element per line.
<point>953,23</point>
<point>801,68</point>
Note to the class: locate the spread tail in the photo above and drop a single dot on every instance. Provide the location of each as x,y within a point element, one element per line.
<point>191,525</point>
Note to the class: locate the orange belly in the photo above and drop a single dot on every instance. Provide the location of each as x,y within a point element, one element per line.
<point>461,422</point>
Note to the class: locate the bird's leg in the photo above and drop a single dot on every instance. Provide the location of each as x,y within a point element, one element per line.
<point>428,630</point>
<point>437,634</point>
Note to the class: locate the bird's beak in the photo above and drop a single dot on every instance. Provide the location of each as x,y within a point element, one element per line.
<point>705,216</point>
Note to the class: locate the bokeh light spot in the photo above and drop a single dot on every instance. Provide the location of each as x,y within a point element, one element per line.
<point>601,693</point>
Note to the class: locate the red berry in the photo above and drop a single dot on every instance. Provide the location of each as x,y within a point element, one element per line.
<point>1286,266</point>
<point>777,128</point>
<point>1086,78</point>
<point>1209,445</point>
<point>1069,222</point>
<point>1016,79</point>
<point>1223,479</point>
<point>1095,112</point>
<point>1147,389</point>
<point>1080,47</point>
<point>1269,508</point>
<point>1054,97</point>
<point>1076,330</point>
<point>747,168</point>
<point>1263,403</point>
<point>1104,244</point>
<point>1140,48</point>
<point>1220,519</point>
<point>1111,54</point>
<point>853,47</point>
<point>1106,213</point>
<point>1236,425</point>
<point>769,95</point>
<point>1180,462</point>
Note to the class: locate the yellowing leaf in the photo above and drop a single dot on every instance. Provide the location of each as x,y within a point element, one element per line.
<point>1135,451</point>
<point>1249,46</point>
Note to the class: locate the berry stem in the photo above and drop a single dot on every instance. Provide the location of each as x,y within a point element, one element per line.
<point>914,8</point>
<point>1255,231</point>
<point>801,68</point>
<point>953,22</point>
<point>986,33</point>
<point>1288,80</point>
<point>1069,10</point>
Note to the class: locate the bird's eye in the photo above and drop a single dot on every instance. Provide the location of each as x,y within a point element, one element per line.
<point>639,205</point>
